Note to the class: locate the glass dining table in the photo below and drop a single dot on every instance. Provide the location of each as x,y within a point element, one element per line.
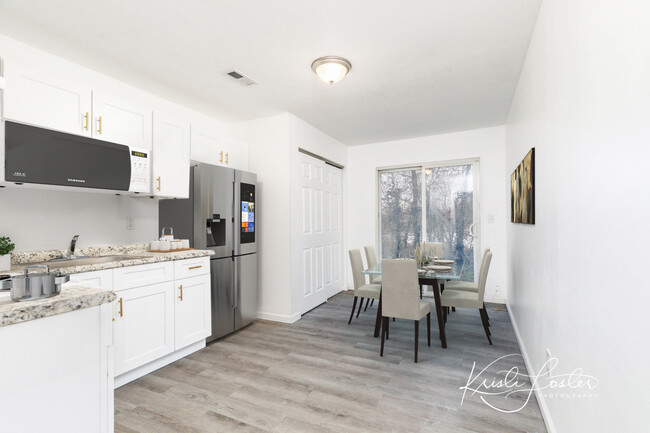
<point>426,277</point>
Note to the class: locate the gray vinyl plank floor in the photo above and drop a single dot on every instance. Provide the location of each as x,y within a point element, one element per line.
<point>322,375</point>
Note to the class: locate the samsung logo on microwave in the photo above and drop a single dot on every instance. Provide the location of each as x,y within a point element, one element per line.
<point>19,174</point>
<point>77,180</point>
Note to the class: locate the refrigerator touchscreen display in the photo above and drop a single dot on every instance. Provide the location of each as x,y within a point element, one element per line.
<point>247,213</point>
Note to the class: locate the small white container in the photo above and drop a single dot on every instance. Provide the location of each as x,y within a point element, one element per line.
<point>165,246</point>
<point>154,246</point>
<point>185,244</point>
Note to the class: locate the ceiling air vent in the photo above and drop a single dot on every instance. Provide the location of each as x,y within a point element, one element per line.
<point>242,79</point>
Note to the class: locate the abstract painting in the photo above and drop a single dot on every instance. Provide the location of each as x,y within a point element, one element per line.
<point>522,186</point>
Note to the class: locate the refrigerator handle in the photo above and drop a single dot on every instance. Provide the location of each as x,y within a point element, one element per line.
<point>235,281</point>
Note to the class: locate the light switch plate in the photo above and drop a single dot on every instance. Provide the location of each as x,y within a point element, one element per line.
<point>491,218</point>
<point>130,223</point>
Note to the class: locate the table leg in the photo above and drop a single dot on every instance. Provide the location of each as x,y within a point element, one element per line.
<point>378,320</point>
<point>441,324</point>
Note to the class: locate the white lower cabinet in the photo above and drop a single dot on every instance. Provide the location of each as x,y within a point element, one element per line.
<point>192,310</point>
<point>162,313</point>
<point>144,325</point>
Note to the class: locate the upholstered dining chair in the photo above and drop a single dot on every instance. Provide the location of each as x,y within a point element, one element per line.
<point>371,259</point>
<point>401,298</point>
<point>434,249</point>
<point>361,289</point>
<point>469,286</point>
<point>465,299</point>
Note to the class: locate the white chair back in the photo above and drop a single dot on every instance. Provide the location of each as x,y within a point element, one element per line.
<point>357,268</point>
<point>482,276</point>
<point>371,256</point>
<point>434,249</point>
<point>400,289</point>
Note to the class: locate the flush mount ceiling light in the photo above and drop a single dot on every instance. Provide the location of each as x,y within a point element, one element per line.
<point>331,69</point>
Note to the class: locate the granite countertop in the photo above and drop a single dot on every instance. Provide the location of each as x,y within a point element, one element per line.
<point>120,254</point>
<point>76,296</point>
<point>71,298</point>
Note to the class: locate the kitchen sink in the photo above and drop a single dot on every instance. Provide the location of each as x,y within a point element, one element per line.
<point>83,261</point>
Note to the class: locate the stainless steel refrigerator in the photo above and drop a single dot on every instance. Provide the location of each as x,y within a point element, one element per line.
<point>221,215</point>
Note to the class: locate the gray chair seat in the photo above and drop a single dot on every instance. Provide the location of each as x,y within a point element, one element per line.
<point>465,286</point>
<point>376,280</point>
<point>368,291</point>
<point>460,298</point>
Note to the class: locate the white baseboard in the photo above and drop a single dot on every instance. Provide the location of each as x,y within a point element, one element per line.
<point>283,318</point>
<point>546,415</point>
<point>137,373</point>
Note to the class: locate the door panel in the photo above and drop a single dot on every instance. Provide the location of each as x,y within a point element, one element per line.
<point>145,329</point>
<point>452,213</point>
<point>320,231</point>
<point>246,294</point>
<point>192,310</point>
<point>171,156</point>
<point>222,297</point>
<point>121,121</point>
<point>36,95</point>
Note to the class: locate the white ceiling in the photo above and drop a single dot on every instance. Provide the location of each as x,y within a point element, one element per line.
<point>419,67</point>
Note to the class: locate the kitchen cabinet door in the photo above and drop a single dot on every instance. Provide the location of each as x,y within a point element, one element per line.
<point>144,325</point>
<point>193,310</point>
<point>171,157</point>
<point>121,121</point>
<point>44,97</point>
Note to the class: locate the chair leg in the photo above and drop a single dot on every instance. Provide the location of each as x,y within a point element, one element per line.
<point>420,291</point>
<point>354,304</point>
<point>372,301</point>
<point>387,327</point>
<point>384,328</point>
<point>367,302</point>
<point>428,329</point>
<point>393,319</point>
<point>359,310</point>
<point>485,325</point>
<point>453,309</point>
<point>444,314</point>
<point>417,331</point>
<point>486,315</point>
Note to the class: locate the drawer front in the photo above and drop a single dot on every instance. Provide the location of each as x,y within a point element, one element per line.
<point>191,267</point>
<point>96,279</point>
<point>142,275</point>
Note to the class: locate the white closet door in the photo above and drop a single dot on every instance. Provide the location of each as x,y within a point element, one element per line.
<point>320,231</point>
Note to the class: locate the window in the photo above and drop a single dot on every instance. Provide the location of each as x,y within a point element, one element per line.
<point>433,203</point>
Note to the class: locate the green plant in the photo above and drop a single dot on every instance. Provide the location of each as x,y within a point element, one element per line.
<point>6,246</point>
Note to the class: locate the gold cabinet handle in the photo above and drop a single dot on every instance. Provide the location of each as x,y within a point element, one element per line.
<point>121,308</point>
<point>226,157</point>
<point>196,267</point>
<point>99,121</point>
<point>86,117</point>
<point>181,295</point>
<point>221,156</point>
<point>158,179</point>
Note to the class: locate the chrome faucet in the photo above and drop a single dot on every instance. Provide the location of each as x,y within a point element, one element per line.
<point>73,244</point>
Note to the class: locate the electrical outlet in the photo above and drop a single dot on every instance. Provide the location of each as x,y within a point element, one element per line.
<point>548,362</point>
<point>130,223</point>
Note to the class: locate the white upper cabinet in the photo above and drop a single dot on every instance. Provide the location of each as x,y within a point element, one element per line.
<point>121,121</point>
<point>171,156</point>
<point>43,96</point>
<point>209,146</point>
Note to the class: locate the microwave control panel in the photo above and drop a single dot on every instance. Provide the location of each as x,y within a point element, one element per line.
<point>140,171</point>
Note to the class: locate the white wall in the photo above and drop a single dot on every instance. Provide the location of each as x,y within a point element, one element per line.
<point>486,144</point>
<point>269,158</point>
<point>37,219</point>
<point>577,280</point>
<point>273,145</point>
